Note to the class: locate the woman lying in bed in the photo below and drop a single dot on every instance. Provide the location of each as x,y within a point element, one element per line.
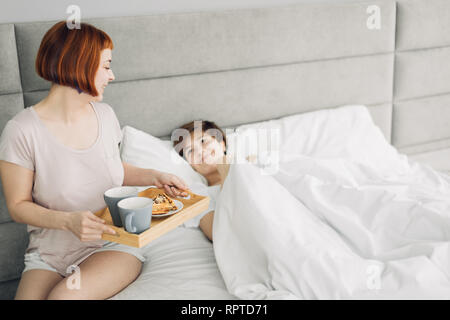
<point>203,145</point>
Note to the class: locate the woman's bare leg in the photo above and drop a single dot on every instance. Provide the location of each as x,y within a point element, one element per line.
<point>102,275</point>
<point>36,284</point>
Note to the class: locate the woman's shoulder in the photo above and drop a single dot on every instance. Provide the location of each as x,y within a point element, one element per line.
<point>24,116</point>
<point>16,140</point>
<point>22,121</point>
<point>104,108</point>
<point>109,119</point>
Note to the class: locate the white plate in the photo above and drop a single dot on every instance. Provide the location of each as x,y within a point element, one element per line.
<point>179,205</point>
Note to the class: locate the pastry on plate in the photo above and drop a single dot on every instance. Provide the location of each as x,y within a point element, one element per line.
<point>163,204</point>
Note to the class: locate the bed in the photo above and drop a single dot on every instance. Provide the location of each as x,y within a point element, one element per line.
<point>241,67</point>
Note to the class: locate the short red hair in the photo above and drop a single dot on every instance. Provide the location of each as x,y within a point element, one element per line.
<point>71,57</point>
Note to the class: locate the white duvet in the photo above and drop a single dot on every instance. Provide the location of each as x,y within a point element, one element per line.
<point>345,217</point>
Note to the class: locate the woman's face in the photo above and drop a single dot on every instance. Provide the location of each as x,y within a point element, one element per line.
<point>203,153</point>
<point>104,73</point>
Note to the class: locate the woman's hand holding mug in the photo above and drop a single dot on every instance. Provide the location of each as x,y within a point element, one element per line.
<point>87,226</point>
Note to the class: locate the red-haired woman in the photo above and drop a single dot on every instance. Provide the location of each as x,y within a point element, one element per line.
<point>57,159</point>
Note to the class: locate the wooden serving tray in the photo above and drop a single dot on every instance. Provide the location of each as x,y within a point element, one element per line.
<point>193,206</point>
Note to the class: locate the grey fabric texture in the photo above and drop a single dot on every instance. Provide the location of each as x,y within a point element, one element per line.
<point>191,43</point>
<point>436,159</point>
<point>14,241</point>
<point>8,289</point>
<point>9,68</point>
<point>428,148</point>
<point>10,105</point>
<point>433,115</point>
<point>422,24</point>
<point>422,73</point>
<point>241,66</point>
<point>242,96</point>
<point>422,79</point>
<point>382,117</point>
<point>4,214</point>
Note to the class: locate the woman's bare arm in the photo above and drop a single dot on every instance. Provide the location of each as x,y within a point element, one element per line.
<point>206,224</point>
<point>135,176</point>
<point>17,187</point>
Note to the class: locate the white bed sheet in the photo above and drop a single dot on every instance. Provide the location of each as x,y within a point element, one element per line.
<point>180,265</point>
<point>345,217</point>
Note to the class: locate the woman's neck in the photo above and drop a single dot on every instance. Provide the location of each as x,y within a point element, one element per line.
<point>65,103</point>
<point>213,178</point>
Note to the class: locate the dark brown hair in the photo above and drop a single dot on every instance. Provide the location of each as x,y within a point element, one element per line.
<point>71,57</point>
<point>204,126</point>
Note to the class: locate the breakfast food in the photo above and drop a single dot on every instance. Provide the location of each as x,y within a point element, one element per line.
<point>163,204</point>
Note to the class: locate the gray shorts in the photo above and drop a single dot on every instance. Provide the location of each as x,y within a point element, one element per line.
<point>33,259</point>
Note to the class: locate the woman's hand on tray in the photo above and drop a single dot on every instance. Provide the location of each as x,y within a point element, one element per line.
<point>173,185</point>
<point>87,226</point>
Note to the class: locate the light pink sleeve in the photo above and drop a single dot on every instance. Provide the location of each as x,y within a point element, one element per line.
<point>15,147</point>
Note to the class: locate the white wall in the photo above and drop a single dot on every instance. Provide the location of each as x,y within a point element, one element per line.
<point>45,10</point>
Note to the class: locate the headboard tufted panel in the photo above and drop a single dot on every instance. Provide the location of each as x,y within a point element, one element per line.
<point>421,112</point>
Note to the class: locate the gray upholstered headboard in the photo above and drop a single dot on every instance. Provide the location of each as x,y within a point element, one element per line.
<point>421,114</point>
<point>236,66</point>
<point>242,66</point>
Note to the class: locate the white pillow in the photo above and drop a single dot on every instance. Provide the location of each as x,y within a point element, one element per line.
<point>143,150</point>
